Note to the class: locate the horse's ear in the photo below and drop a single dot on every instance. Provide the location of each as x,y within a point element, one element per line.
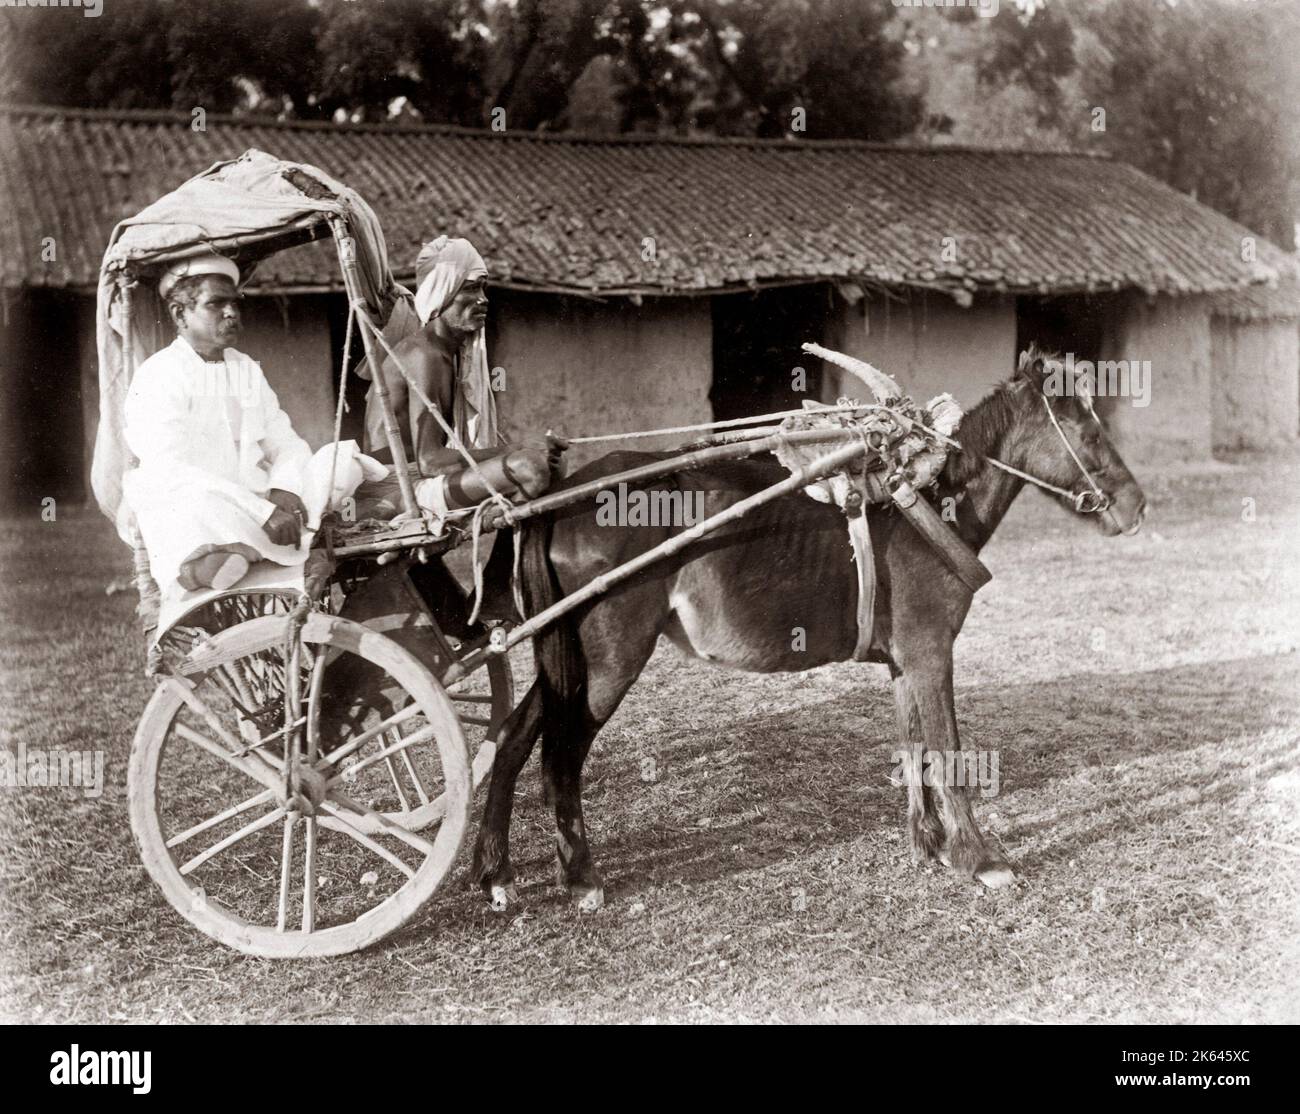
<point>1031,365</point>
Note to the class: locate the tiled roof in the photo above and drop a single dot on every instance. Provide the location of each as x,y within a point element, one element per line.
<point>1261,303</point>
<point>575,213</point>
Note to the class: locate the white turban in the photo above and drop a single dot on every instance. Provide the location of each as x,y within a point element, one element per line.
<point>441,269</point>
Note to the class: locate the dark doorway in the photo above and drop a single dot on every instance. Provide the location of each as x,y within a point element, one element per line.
<point>1067,323</point>
<point>756,339</point>
<point>41,437</point>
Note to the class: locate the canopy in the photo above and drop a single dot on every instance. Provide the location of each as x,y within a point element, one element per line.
<point>246,208</point>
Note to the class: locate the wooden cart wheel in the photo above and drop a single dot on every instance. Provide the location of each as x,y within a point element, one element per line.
<point>323,872</point>
<point>481,703</point>
<point>389,603</point>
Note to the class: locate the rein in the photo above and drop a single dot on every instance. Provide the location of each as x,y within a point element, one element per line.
<point>1089,501</point>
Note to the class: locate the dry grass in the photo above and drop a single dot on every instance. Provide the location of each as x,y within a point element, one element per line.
<point>1141,693</point>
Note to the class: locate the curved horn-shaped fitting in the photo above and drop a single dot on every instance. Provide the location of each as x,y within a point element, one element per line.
<point>882,386</point>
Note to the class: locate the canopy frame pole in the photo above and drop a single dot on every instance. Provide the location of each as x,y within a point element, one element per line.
<point>348,260</point>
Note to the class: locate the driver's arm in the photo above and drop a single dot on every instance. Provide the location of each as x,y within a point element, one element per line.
<point>433,373</point>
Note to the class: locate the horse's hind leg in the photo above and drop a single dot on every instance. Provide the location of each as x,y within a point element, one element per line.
<point>575,868</point>
<point>492,869</point>
<point>618,637</point>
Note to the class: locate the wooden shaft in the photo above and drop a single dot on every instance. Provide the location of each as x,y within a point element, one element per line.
<point>954,552</point>
<point>822,466</point>
<point>348,260</point>
<point>495,519</point>
<point>694,459</point>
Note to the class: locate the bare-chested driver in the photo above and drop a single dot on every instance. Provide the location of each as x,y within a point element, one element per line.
<point>447,357</point>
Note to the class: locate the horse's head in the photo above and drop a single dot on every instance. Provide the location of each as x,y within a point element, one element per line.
<point>1060,440</point>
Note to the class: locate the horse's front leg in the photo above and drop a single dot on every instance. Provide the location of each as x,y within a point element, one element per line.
<point>967,850</point>
<point>516,737</point>
<point>924,829</point>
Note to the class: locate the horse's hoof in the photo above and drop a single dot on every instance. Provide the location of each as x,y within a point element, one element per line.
<point>589,900</point>
<point>996,875</point>
<point>502,897</point>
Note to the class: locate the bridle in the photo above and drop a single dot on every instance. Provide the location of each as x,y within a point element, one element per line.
<point>1092,500</point>
<point>1089,501</point>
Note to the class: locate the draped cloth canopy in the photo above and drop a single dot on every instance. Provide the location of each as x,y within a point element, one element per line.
<point>244,208</point>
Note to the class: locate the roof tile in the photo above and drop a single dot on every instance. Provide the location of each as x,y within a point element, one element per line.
<point>571,213</point>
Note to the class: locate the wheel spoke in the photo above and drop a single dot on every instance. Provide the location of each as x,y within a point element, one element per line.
<point>261,773</point>
<point>230,840</point>
<point>410,769</point>
<point>479,720</point>
<point>394,829</point>
<point>473,698</point>
<point>235,748</point>
<point>265,797</point>
<point>261,741</point>
<point>309,876</point>
<point>335,822</point>
<point>286,872</point>
<point>355,744</point>
<point>421,736</point>
<point>397,783</point>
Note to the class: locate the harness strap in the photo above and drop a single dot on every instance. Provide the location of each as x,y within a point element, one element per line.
<point>865,559</point>
<point>1103,502</point>
<point>1079,498</point>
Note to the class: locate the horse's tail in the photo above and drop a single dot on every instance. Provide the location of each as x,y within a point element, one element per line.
<point>561,667</point>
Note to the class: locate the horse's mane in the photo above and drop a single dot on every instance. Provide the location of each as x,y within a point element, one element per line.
<point>985,425</point>
<point>982,430</point>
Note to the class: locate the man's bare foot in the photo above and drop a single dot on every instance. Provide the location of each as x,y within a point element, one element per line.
<point>214,566</point>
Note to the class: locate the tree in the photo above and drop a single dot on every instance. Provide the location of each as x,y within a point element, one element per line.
<point>1203,94</point>
<point>222,55</point>
<point>90,63</point>
<point>427,53</point>
<point>762,60</point>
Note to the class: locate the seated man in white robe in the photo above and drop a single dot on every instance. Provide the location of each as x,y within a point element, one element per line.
<point>221,470</point>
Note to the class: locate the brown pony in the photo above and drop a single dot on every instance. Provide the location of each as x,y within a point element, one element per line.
<point>737,598</point>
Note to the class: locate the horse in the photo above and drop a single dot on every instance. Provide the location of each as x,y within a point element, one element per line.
<point>736,597</point>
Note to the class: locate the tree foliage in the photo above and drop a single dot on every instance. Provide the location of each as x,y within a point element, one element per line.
<point>1202,94</point>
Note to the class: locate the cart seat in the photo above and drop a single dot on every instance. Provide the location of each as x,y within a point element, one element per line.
<point>262,578</point>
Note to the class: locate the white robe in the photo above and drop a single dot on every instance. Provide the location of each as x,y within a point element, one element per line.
<point>211,440</point>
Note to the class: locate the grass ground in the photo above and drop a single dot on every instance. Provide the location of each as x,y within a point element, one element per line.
<point>1140,692</point>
